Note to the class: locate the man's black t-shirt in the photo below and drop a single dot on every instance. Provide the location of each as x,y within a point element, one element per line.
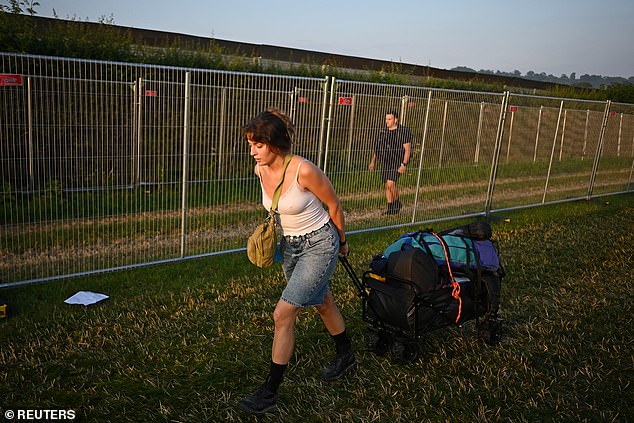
<point>388,146</point>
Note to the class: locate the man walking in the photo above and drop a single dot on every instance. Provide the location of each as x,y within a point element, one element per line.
<point>393,149</point>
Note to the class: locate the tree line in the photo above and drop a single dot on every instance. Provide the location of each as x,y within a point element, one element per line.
<point>584,81</point>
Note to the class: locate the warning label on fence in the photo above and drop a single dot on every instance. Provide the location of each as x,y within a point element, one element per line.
<point>345,101</point>
<point>10,80</point>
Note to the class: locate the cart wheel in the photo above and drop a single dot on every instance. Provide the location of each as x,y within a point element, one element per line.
<point>490,331</point>
<point>404,351</point>
<point>377,341</point>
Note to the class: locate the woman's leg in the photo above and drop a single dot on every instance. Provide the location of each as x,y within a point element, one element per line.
<point>284,317</point>
<point>264,398</point>
<point>333,320</point>
<point>331,316</point>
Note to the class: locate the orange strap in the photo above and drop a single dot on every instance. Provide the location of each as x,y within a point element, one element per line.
<point>455,285</point>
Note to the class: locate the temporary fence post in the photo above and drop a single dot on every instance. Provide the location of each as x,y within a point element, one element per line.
<point>618,144</point>
<point>508,146</point>
<point>30,131</point>
<point>404,101</point>
<point>330,110</point>
<point>496,153</point>
<point>442,136</point>
<point>324,104</point>
<point>539,124</point>
<point>293,100</point>
<point>552,152</point>
<point>185,165</point>
<point>597,154</point>
<point>563,136</point>
<point>476,158</point>
<point>585,135</point>
<point>350,128</point>
<point>138,130</point>
<point>135,100</point>
<point>422,154</point>
<point>220,151</point>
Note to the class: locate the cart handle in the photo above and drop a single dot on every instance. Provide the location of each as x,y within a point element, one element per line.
<point>355,279</point>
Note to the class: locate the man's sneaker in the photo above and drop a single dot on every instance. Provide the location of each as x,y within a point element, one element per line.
<point>260,401</point>
<point>342,364</point>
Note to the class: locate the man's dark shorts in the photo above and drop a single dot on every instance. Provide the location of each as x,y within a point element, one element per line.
<point>390,173</point>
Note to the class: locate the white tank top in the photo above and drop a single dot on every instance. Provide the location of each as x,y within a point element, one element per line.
<point>300,211</point>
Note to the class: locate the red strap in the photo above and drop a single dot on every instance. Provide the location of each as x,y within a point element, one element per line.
<point>455,285</point>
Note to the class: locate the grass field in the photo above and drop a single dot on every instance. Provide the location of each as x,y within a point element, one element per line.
<point>184,342</point>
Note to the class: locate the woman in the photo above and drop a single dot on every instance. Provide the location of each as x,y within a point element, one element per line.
<point>312,239</point>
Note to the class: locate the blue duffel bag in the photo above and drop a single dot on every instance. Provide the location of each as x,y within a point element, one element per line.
<point>463,251</point>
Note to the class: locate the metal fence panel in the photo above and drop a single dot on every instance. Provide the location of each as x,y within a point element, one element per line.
<point>454,134</point>
<point>616,159</point>
<point>110,165</point>
<point>547,150</point>
<point>223,194</point>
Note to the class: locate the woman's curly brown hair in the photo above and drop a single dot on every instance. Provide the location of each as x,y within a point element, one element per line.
<point>271,127</point>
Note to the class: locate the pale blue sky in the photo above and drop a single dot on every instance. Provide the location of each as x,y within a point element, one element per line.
<point>552,36</point>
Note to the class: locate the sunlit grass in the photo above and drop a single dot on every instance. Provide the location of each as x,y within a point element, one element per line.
<point>185,341</point>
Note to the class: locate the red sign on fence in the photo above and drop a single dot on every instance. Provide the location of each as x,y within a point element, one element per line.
<point>345,101</point>
<point>151,93</point>
<point>10,80</point>
<point>303,100</point>
<point>513,109</point>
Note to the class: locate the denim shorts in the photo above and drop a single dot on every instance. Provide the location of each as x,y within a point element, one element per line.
<point>308,262</point>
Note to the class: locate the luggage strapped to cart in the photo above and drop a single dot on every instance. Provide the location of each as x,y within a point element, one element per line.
<point>466,249</point>
<point>455,286</point>
<point>426,280</point>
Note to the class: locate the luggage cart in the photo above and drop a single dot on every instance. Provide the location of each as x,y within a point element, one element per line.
<point>400,311</point>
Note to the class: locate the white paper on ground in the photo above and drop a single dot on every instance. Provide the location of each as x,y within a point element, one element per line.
<point>85,298</point>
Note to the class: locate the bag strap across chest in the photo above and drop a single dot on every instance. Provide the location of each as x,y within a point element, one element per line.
<point>278,190</point>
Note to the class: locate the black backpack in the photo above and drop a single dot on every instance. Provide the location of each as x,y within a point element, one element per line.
<point>414,266</point>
